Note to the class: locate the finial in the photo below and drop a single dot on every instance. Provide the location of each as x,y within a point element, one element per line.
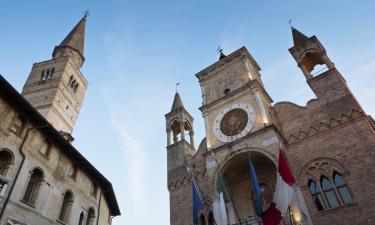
<point>220,51</point>
<point>290,24</point>
<point>177,84</point>
<point>86,13</point>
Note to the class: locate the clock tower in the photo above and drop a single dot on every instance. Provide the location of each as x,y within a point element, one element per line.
<point>235,102</point>
<point>240,127</point>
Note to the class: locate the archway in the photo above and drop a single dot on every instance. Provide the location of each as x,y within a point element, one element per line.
<point>237,179</point>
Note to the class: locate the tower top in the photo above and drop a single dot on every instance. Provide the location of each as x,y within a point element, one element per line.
<point>74,40</point>
<point>177,102</point>
<point>298,37</point>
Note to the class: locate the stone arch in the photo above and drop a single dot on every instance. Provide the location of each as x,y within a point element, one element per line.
<point>235,172</point>
<point>6,160</point>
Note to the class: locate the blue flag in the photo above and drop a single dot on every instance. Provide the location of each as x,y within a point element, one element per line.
<point>197,204</point>
<point>256,189</point>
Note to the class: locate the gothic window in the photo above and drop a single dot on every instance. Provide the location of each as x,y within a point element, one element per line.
<point>42,75</point>
<point>70,81</point>
<point>66,206</point>
<point>45,148</point>
<point>51,74</point>
<point>329,192</point>
<point>75,88</point>
<point>90,217</point>
<point>81,218</point>
<point>33,186</point>
<point>18,125</point>
<point>342,189</point>
<point>315,193</point>
<point>6,160</point>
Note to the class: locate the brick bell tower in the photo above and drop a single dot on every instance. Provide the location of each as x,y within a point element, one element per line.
<point>180,153</point>
<point>56,87</point>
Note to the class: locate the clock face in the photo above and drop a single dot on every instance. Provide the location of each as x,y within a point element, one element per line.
<point>234,122</point>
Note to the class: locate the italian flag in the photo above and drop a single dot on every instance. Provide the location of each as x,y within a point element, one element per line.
<point>283,194</point>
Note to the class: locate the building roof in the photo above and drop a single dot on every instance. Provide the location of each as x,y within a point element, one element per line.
<point>298,37</point>
<point>177,102</point>
<point>76,38</point>
<point>16,100</point>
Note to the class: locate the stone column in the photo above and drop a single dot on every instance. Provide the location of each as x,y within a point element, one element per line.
<point>260,105</point>
<point>182,130</point>
<point>305,72</point>
<point>191,134</point>
<point>328,62</point>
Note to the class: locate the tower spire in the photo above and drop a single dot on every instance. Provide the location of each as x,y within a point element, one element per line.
<point>298,37</point>
<point>74,41</point>
<point>177,102</point>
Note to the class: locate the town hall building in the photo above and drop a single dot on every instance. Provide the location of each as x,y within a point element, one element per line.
<point>44,179</point>
<point>329,144</point>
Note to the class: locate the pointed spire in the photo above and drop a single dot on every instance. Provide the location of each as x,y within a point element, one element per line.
<point>298,37</point>
<point>177,102</point>
<point>74,40</point>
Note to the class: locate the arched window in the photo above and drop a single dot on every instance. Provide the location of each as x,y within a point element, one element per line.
<point>342,189</point>
<point>66,206</point>
<point>75,88</point>
<point>42,75</point>
<point>329,192</point>
<point>202,220</point>
<point>33,186</point>
<point>70,81</point>
<point>315,192</point>
<point>81,218</point>
<point>6,160</point>
<point>51,74</point>
<point>90,217</point>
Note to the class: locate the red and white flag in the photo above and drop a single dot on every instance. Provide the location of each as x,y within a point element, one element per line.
<point>283,194</point>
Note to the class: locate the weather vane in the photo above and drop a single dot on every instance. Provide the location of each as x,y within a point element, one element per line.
<point>86,13</point>
<point>177,84</point>
<point>220,51</point>
<point>290,23</point>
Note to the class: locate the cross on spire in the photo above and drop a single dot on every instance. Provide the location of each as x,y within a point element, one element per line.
<point>177,84</point>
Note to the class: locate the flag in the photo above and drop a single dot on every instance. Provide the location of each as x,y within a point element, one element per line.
<point>256,188</point>
<point>283,194</point>
<point>219,210</point>
<point>197,204</point>
<point>221,188</point>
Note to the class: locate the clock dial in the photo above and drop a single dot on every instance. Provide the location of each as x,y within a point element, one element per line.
<point>233,122</point>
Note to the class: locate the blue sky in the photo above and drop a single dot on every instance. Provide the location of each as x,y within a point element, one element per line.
<point>137,50</point>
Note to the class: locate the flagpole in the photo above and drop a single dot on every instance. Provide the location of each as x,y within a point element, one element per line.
<point>199,190</point>
<point>222,179</point>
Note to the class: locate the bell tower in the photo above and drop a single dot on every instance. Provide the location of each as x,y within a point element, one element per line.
<point>180,153</point>
<point>56,87</point>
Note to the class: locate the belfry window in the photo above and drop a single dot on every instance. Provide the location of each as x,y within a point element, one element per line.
<point>342,189</point>
<point>66,206</point>
<point>33,186</point>
<point>81,218</point>
<point>329,192</point>
<point>315,192</point>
